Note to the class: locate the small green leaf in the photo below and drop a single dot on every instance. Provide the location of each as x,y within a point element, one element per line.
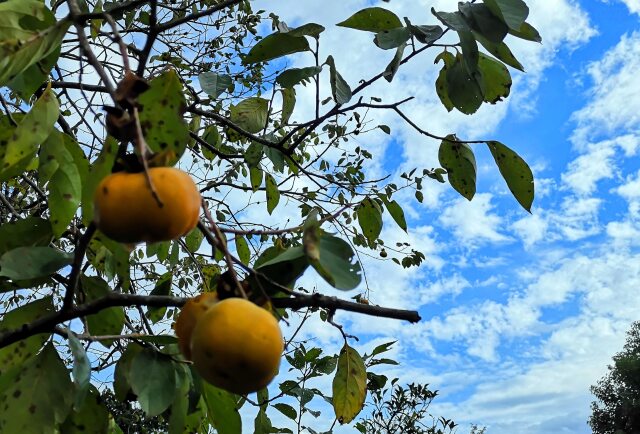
<point>214,84</point>
<point>392,38</point>
<point>108,321</point>
<point>162,109</point>
<point>37,395</point>
<point>385,128</point>
<point>153,380</point>
<point>370,219</point>
<point>287,410</point>
<point>193,240</point>
<point>81,370</point>
<point>512,12</point>
<point>382,348</point>
<point>349,385</point>
<point>242,247</point>
<point>392,67</point>
<point>339,87</point>
<point>425,34</point>
<point>17,353</point>
<point>253,154</point>
<point>288,104</point>
<point>293,76</point>
<point>255,177</point>
<point>337,263</point>
<point>276,157</point>
<point>250,114</point>
<point>222,409</point>
<point>274,46</point>
<point>501,51</point>
<point>442,86</point>
<point>25,263</point>
<point>272,192</point>
<point>460,163</point>
<point>163,287</point>
<point>496,79</point>
<point>527,32</point>
<point>374,19</point>
<point>31,231</point>
<point>309,29</point>
<point>396,212</point>
<point>516,173</point>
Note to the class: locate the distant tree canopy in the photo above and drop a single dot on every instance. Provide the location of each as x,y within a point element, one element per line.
<point>617,406</point>
<point>155,150</point>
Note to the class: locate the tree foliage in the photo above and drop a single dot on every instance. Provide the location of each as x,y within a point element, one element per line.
<point>617,406</point>
<point>93,87</point>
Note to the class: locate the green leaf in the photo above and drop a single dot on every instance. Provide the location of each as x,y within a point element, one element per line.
<point>272,192</point>
<point>392,38</point>
<point>262,424</point>
<point>17,353</point>
<point>527,32</point>
<point>463,91</point>
<point>349,385</point>
<point>501,51</point>
<point>276,157</point>
<point>282,267</point>
<point>253,154</point>
<point>454,20</point>
<point>25,263</point>
<point>293,76</point>
<point>425,34</point>
<point>512,12</point>
<point>339,87</point>
<point>180,405</point>
<point>81,370</point>
<point>163,287</point>
<point>274,46</point>
<point>460,163</point>
<point>382,348</point>
<point>288,104</point>
<point>100,168</point>
<point>396,212</point>
<point>516,173</point>
<point>193,240</point>
<point>162,109</point>
<point>374,19</point>
<point>222,409</point>
<point>255,177</point>
<point>36,396</point>
<point>121,376</point>
<point>392,67</point>
<point>20,147</point>
<point>370,219</point>
<point>496,79</point>
<point>442,86</point>
<point>470,54</point>
<point>108,321</point>
<point>337,263</point>
<point>214,84</point>
<point>153,380</point>
<point>287,410</point>
<point>65,186</point>
<point>110,257</point>
<point>309,29</point>
<point>250,114</point>
<point>483,21</point>
<point>28,34</point>
<point>92,417</point>
<point>242,247</point>
<point>29,81</point>
<point>31,231</point>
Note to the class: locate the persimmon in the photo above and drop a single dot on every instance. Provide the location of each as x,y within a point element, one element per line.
<point>237,346</point>
<point>127,211</point>
<point>189,315</point>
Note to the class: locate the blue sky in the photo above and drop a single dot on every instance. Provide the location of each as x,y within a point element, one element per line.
<point>521,313</point>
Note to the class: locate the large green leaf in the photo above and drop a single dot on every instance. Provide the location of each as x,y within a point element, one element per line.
<point>162,114</point>
<point>340,89</point>
<point>374,19</point>
<point>512,12</point>
<point>274,46</point>
<point>454,20</point>
<point>336,263</point>
<point>19,150</point>
<point>15,354</point>
<point>463,90</point>
<point>214,84</point>
<point>108,321</point>
<point>496,79</point>
<point>25,263</point>
<point>81,371</point>
<point>242,247</point>
<point>483,21</point>
<point>222,409</point>
<point>250,114</point>
<point>272,192</point>
<point>527,32</point>
<point>153,380</point>
<point>28,34</point>
<point>516,173</point>
<point>460,163</point>
<point>281,266</point>
<point>293,76</point>
<point>65,184</point>
<point>31,231</point>
<point>36,396</point>
<point>121,375</point>
<point>370,219</point>
<point>392,38</point>
<point>349,385</point>
<point>92,417</point>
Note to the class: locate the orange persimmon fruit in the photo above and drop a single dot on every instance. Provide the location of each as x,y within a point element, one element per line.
<point>189,315</point>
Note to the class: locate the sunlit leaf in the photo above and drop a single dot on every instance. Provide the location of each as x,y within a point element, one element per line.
<point>460,163</point>
<point>274,46</point>
<point>370,219</point>
<point>516,173</point>
<point>272,192</point>
<point>374,19</point>
<point>349,385</point>
<point>222,410</point>
<point>337,263</point>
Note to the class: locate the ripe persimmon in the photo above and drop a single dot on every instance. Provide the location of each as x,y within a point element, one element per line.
<point>189,315</point>
<point>127,211</point>
<point>237,345</point>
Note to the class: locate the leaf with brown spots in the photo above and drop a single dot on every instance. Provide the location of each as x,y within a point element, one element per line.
<point>37,395</point>
<point>349,385</point>
<point>91,418</point>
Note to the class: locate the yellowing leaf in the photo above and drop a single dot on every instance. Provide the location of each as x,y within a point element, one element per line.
<point>349,385</point>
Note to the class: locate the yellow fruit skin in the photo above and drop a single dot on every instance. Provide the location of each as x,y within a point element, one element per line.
<point>189,315</point>
<point>126,211</point>
<point>237,346</point>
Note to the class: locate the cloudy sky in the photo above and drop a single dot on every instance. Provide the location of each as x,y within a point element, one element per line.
<point>521,313</point>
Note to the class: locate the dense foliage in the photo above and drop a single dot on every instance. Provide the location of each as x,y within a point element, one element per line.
<point>89,88</point>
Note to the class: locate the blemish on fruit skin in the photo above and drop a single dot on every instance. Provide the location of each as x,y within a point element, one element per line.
<point>105,190</point>
<point>32,409</point>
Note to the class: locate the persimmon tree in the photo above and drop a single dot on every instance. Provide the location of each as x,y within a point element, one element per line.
<point>89,88</point>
